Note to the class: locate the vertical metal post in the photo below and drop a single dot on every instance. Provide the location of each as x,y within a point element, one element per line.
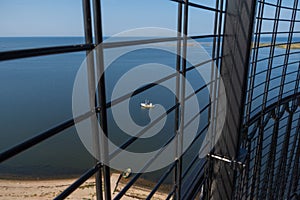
<point>234,71</point>
<point>176,123</point>
<point>182,99</point>
<point>258,156</point>
<point>280,182</point>
<point>91,79</point>
<point>86,5</point>
<point>294,170</point>
<point>102,93</point>
<point>254,57</point>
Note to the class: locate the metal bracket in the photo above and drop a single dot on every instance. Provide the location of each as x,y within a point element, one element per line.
<point>238,164</point>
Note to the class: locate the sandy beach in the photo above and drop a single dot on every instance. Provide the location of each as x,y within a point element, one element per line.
<point>48,189</point>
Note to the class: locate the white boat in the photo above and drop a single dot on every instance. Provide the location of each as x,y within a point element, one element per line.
<point>147,104</point>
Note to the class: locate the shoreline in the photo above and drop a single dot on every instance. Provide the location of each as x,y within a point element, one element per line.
<point>281,46</point>
<point>50,188</point>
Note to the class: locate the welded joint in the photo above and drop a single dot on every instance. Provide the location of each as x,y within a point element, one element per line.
<point>97,109</point>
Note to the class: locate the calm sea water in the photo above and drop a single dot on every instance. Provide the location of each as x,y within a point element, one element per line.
<point>36,93</point>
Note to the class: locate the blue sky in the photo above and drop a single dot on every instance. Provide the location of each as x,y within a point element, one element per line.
<point>64,17</point>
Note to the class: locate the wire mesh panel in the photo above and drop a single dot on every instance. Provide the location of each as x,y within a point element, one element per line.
<point>271,122</point>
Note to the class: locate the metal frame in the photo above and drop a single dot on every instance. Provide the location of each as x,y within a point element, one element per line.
<point>245,126</point>
<point>102,172</point>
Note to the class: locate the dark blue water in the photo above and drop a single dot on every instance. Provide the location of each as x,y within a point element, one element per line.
<point>36,93</point>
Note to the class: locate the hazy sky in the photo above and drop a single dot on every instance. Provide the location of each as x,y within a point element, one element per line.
<point>64,17</point>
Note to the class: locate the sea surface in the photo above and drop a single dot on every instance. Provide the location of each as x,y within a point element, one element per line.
<point>36,94</point>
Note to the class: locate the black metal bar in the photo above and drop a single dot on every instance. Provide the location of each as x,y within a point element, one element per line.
<point>297,150</point>
<point>271,4</point>
<point>182,101</point>
<point>108,45</point>
<point>86,5</point>
<point>220,33</point>
<point>78,182</point>
<point>148,86</point>
<point>41,137</point>
<point>190,166</point>
<point>286,57</point>
<point>198,6</point>
<point>87,21</point>
<point>178,66</point>
<point>200,64</point>
<point>296,85</point>
<point>295,178</point>
<point>15,54</point>
<point>137,175</point>
<point>160,181</point>
<point>278,55</point>
<point>170,194</point>
<point>102,94</point>
<point>195,139</point>
<point>279,19</point>
<point>132,139</point>
<point>270,107</point>
<point>138,91</point>
<point>256,183</point>
<point>205,36</point>
<point>254,60</point>
<point>275,67</point>
<point>197,180</point>
<point>279,32</point>
<point>281,171</point>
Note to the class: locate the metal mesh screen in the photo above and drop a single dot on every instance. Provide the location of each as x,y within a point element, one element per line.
<point>271,122</point>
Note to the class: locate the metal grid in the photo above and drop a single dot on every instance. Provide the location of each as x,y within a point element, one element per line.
<point>271,122</point>
<point>187,182</point>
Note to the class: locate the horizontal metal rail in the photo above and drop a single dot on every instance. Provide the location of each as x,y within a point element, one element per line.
<point>41,137</point>
<point>275,67</point>
<point>274,5</point>
<point>199,6</point>
<point>279,32</point>
<point>275,56</point>
<point>280,19</point>
<point>108,45</point>
<point>16,54</point>
<point>272,106</point>
<point>25,53</point>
